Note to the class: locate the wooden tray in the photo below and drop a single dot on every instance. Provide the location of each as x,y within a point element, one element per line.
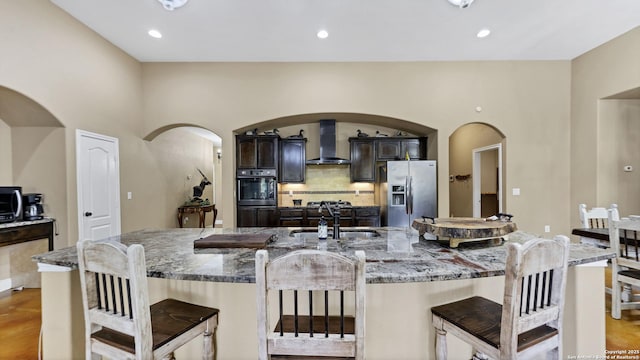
<point>252,241</point>
<point>463,229</point>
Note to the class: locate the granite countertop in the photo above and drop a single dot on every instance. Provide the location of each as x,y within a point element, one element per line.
<point>25,222</point>
<point>398,255</point>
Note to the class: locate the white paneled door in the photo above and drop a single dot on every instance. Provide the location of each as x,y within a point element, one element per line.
<point>98,185</point>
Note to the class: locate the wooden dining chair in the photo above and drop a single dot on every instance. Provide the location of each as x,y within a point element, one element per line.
<point>596,218</point>
<point>119,322</point>
<point>529,321</point>
<point>624,236</point>
<point>323,329</point>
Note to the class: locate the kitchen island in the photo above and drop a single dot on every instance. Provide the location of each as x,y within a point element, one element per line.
<point>406,276</point>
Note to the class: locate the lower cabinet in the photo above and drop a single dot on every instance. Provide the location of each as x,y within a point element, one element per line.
<point>252,216</point>
<point>291,217</point>
<point>309,217</point>
<point>366,216</point>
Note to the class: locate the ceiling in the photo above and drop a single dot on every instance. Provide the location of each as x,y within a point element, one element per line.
<point>359,30</point>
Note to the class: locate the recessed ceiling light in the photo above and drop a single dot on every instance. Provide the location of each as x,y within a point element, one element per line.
<point>461,3</point>
<point>322,34</point>
<point>155,33</point>
<point>483,33</point>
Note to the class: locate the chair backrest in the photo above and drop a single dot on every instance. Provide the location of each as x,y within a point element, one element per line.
<point>622,237</point>
<point>113,279</point>
<point>310,271</point>
<point>535,281</point>
<point>597,217</point>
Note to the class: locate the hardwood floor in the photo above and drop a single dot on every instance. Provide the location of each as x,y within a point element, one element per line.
<point>20,325</point>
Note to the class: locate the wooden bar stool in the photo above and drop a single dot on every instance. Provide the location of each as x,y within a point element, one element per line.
<point>119,322</point>
<point>311,333</point>
<point>529,321</point>
<point>625,267</point>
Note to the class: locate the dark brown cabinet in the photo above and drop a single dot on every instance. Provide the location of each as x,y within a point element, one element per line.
<point>366,216</point>
<point>251,216</point>
<point>397,148</point>
<point>309,217</point>
<point>365,152</point>
<point>363,160</point>
<point>292,160</point>
<point>257,151</point>
<point>291,217</point>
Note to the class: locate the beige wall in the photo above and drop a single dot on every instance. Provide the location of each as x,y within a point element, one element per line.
<point>602,72</point>
<point>6,174</point>
<point>527,101</point>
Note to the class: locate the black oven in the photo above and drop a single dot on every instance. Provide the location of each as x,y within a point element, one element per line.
<point>10,203</point>
<point>257,187</point>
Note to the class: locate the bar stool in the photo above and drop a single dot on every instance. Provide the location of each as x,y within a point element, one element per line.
<point>311,333</point>
<point>119,322</point>
<point>529,321</point>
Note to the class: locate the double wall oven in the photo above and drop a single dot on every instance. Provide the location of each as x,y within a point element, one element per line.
<point>257,187</point>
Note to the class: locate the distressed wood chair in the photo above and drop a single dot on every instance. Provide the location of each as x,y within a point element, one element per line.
<point>529,322</point>
<point>325,333</point>
<point>119,322</point>
<point>596,218</point>
<point>625,267</point>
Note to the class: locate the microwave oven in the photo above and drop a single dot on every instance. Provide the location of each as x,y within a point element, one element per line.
<point>10,203</point>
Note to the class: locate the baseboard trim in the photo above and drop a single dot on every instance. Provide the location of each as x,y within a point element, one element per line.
<point>5,284</point>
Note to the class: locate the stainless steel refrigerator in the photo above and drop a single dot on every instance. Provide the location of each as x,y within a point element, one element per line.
<point>407,190</point>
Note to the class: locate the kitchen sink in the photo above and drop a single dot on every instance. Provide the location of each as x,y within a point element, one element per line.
<point>344,233</point>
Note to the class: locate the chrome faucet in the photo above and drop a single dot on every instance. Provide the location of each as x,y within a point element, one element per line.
<point>335,214</point>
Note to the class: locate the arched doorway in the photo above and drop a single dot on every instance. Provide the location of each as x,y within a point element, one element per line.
<point>182,152</point>
<point>482,146</point>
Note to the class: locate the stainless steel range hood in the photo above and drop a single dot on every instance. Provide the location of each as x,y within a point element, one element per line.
<point>328,146</point>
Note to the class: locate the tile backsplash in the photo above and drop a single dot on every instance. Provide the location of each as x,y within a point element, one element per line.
<point>327,182</point>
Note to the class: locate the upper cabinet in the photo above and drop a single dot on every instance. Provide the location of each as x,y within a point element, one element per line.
<point>292,160</point>
<point>366,151</point>
<point>363,161</point>
<point>257,151</point>
<point>395,148</point>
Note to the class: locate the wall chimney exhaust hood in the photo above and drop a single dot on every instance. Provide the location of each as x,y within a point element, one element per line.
<point>328,146</point>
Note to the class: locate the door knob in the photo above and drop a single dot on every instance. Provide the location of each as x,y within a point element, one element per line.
<point>87,214</point>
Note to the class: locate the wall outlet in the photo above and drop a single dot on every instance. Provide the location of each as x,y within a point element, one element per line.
<point>290,192</point>
<point>547,228</point>
<point>357,192</point>
<point>129,195</point>
<point>516,191</point>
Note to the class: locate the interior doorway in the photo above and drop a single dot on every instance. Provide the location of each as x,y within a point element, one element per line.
<point>465,171</point>
<point>98,176</point>
<point>487,181</point>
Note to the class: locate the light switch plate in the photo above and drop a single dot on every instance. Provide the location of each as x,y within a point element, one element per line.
<point>516,191</point>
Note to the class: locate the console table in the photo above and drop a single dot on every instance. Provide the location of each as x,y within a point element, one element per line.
<point>201,210</point>
<point>23,231</point>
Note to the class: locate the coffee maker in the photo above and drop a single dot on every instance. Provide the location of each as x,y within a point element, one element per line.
<point>32,204</point>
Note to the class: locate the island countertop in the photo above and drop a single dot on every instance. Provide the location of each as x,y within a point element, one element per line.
<point>398,255</point>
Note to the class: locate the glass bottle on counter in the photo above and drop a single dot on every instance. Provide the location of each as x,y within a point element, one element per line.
<point>322,229</point>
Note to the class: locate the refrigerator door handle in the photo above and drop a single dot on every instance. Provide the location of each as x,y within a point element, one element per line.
<point>409,206</point>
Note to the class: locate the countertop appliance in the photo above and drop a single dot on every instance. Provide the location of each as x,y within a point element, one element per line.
<point>10,203</point>
<point>407,190</point>
<point>32,206</point>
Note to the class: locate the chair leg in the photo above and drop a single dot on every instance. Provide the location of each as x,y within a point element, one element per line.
<point>616,298</point>
<point>441,344</point>
<point>553,354</point>
<point>208,341</point>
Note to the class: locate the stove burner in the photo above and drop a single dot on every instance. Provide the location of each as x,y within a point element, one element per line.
<point>339,203</point>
